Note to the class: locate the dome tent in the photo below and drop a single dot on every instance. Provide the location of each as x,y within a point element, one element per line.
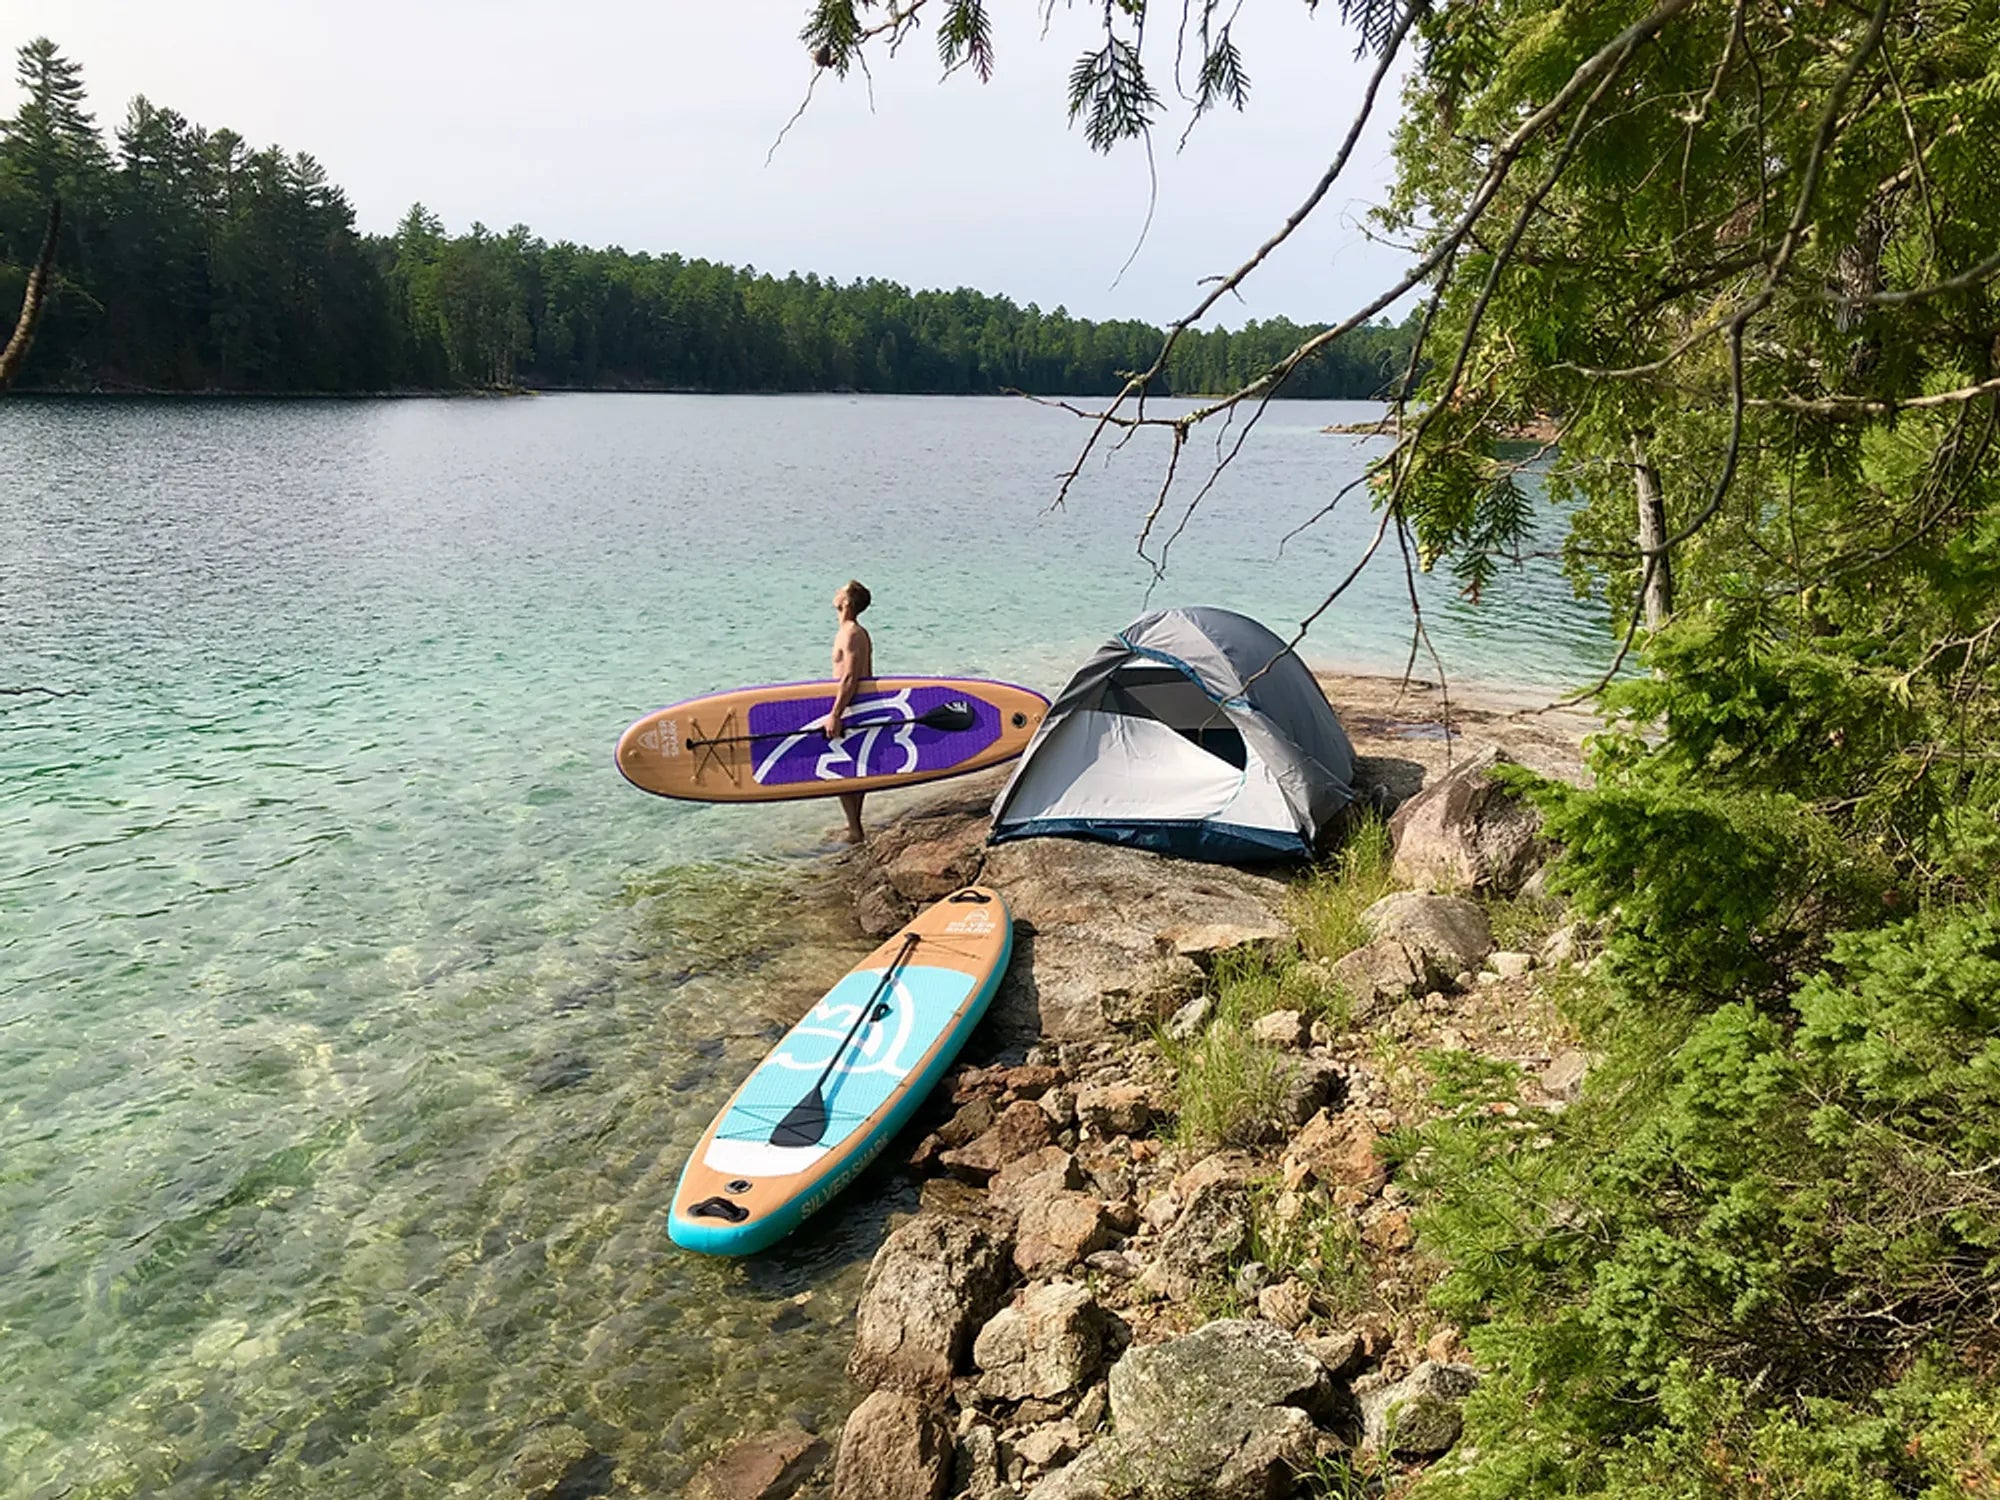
<point>1194,732</point>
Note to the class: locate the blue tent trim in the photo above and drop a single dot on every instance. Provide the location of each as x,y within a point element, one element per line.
<point>1185,670</point>
<point>1183,838</point>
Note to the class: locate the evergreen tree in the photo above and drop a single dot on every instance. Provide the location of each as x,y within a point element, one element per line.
<point>51,141</point>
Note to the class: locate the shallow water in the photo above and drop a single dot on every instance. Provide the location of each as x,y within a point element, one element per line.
<point>355,1016</point>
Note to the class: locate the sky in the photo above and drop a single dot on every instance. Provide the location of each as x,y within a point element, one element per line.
<point>647,123</point>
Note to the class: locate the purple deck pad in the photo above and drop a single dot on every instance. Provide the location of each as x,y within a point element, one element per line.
<point>877,738</point>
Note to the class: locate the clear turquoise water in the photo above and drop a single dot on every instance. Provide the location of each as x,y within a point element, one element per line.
<point>355,1015</point>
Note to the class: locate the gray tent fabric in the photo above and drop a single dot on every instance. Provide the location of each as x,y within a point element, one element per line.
<point>1193,731</point>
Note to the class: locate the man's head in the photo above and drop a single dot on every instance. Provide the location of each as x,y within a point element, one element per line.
<point>851,598</point>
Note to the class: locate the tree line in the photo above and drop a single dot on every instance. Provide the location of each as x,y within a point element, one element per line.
<point>190,262</point>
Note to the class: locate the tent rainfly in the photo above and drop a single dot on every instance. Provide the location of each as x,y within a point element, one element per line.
<point>1194,732</point>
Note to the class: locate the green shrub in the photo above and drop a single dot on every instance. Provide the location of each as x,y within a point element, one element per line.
<point>1227,1085</point>
<point>1780,1259</point>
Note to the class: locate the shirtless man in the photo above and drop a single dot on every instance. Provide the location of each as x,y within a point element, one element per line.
<point>853,664</point>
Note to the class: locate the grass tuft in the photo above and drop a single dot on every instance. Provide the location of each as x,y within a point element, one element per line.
<point>1228,1084</point>
<point>1320,1245</point>
<point>1327,905</point>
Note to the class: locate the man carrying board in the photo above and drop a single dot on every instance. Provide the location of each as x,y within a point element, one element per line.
<point>853,664</point>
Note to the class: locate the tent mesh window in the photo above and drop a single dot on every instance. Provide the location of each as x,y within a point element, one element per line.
<point>1162,693</point>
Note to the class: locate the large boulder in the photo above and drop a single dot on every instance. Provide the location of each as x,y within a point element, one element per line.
<point>1225,1413</point>
<point>894,1447</point>
<point>766,1466</point>
<point>1420,1415</point>
<point>1046,1345</point>
<point>1446,934</point>
<point>1467,832</point>
<point>1088,918</point>
<point>934,1282</point>
<point>1236,1361</point>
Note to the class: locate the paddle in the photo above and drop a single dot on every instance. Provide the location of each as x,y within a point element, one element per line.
<point>951,717</point>
<point>806,1121</point>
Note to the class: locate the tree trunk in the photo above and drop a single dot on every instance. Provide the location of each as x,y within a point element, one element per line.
<point>31,300</point>
<point>1657,573</point>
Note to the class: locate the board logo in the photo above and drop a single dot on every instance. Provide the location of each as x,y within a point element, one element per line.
<point>665,740</point>
<point>972,924</point>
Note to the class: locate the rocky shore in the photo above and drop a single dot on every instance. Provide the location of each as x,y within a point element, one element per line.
<point>1162,1249</point>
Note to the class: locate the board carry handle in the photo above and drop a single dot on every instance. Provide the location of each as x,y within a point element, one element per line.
<point>719,1208</point>
<point>805,1123</point>
<point>953,718</point>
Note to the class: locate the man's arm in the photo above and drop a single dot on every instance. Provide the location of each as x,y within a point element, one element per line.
<point>845,660</point>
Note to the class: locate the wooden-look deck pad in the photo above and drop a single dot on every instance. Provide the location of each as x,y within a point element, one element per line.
<point>766,744</point>
<point>861,1061</point>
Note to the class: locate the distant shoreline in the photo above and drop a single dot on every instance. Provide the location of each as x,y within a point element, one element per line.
<point>455,393</point>
<point>1543,429</point>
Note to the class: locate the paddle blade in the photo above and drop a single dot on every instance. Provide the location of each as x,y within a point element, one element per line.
<point>952,717</point>
<point>804,1124</point>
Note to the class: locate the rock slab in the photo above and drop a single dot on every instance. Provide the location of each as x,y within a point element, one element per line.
<point>1088,921</point>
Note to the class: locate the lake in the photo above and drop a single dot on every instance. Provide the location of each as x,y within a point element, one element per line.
<point>356,1017</point>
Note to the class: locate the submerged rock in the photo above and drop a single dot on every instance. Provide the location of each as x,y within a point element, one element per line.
<point>766,1466</point>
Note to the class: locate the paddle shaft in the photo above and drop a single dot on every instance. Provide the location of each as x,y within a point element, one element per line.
<point>796,1116</point>
<point>888,978</point>
<point>944,716</point>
